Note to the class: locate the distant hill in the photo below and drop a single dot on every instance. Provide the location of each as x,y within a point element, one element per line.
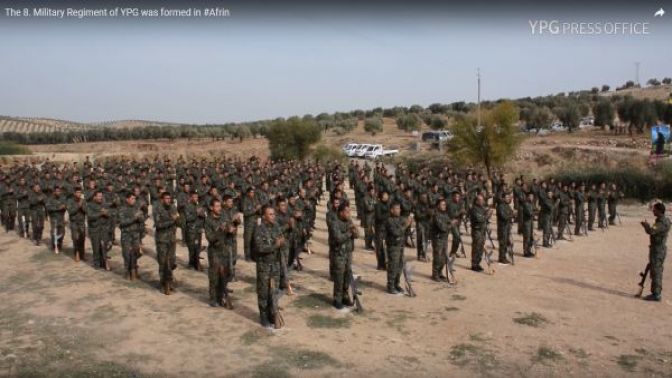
<point>29,125</point>
<point>661,92</point>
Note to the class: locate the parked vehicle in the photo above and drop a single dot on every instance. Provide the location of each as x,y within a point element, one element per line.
<point>376,150</point>
<point>437,136</point>
<point>348,148</point>
<point>360,150</point>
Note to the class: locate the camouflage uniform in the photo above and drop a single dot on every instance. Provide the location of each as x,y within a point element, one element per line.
<point>528,220</point>
<point>578,211</point>
<point>423,220</point>
<point>130,220</point>
<point>165,223</point>
<point>96,215</point>
<point>193,232</point>
<point>77,218</point>
<point>342,236</point>
<point>23,214</point>
<point>8,203</point>
<point>563,213</point>
<point>368,219</point>
<point>220,255</point>
<point>382,213</point>
<point>657,251</point>
<point>441,227</point>
<point>545,218</point>
<point>250,216</point>
<point>37,214</point>
<point>505,217</point>
<point>477,219</point>
<point>395,233</point>
<point>56,207</point>
<point>268,267</point>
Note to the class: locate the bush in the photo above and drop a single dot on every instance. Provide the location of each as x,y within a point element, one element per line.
<point>10,148</point>
<point>635,183</point>
<point>291,139</point>
<point>408,122</point>
<point>326,154</point>
<point>373,125</point>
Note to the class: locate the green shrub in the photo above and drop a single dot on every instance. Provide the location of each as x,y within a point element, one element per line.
<point>324,153</point>
<point>10,148</point>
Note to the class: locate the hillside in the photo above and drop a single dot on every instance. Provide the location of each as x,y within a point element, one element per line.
<point>28,125</point>
<point>661,92</point>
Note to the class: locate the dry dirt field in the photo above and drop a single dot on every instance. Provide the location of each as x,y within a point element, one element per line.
<point>570,312</point>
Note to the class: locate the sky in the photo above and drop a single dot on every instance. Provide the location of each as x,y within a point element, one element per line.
<point>295,58</point>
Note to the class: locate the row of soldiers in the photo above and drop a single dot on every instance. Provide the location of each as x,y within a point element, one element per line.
<point>442,201</point>
<point>197,197</point>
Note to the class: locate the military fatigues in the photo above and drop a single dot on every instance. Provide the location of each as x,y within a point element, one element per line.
<point>441,228</point>
<point>528,221</point>
<point>342,236</point>
<point>369,220</point>
<point>8,203</point>
<point>56,207</point>
<point>505,217</point>
<point>268,267</point>
<point>423,219</point>
<point>220,255</point>
<point>77,218</point>
<point>601,209</point>
<point>382,212</point>
<point>477,219</point>
<point>395,233</point>
<point>165,223</point>
<point>23,210</point>
<point>37,214</point>
<point>96,215</point>
<point>592,209</point>
<point>250,215</point>
<point>130,220</point>
<point>563,213</point>
<point>657,251</point>
<point>545,218</point>
<point>193,220</point>
<point>455,213</point>
<point>578,211</point>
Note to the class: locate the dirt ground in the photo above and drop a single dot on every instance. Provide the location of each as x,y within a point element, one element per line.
<point>570,312</point>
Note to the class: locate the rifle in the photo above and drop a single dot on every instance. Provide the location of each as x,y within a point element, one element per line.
<point>56,236</point>
<point>278,321</point>
<point>25,226</point>
<point>450,270</point>
<point>509,248</point>
<point>619,219</point>
<point>285,272</point>
<point>407,279</point>
<point>354,282</point>
<point>228,276</point>
<point>643,281</point>
<point>569,232</point>
<point>488,232</point>
<point>535,244</point>
<point>488,260</point>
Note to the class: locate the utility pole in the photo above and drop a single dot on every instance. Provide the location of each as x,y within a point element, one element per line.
<point>478,109</point>
<point>637,73</point>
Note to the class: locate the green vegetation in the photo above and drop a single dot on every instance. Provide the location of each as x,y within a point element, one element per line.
<point>292,138</point>
<point>492,143</point>
<point>628,361</point>
<point>547,356</point>
<point>373,125</point>
<point>532,319</point>
<point>324,153</point>
<point>11,148</point>
<point>324,321</point>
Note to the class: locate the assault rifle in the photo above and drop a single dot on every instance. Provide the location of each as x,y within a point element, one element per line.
<point>643,280</point>
<point>354,289</point>
<point>407,270</point>
<point>276,294</point>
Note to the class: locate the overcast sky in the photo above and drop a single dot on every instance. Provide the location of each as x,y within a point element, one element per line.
<point>262,63</point>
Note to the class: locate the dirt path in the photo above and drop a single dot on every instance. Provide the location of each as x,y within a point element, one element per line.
<point>569,313</point>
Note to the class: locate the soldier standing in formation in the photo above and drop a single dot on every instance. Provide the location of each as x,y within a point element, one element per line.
<point>165,223</point>
<point>395,235</point>
<point>130,221</point>
<point>342,232</point>
<point>77,218</point>
<point>657,249</point>
<point>268,240</point>
<point>505,218</point>
<point>56,207</point>
<point>219,229</point>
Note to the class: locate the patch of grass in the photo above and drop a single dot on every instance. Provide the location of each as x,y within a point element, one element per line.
<point>458,297</point>
<point>267,370</point>
<point>44,256</point>
<point>11,148</point>
<point>532,319</point>
<point>312,301</point>
<point>641,351</point>
<point>304,359</point>
<point>579,353</point>
<point>251,337</point>
<point>628,361</point>
<point>611,338</point>
<point>325,321</point>
<point>547,356</point>
<point>452,308</point>
<point>397,321</point>
<point>478,337</point>
<point>475,355</point>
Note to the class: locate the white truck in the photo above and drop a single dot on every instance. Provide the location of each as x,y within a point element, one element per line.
<point>374,151</point>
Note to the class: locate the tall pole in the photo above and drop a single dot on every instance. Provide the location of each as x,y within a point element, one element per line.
<point>478,109</point>
<point>637,73</point>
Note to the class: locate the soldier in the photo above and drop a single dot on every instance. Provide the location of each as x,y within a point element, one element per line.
<point>56,207</point>
<point>286,223</point>
<point>478,218</point>
<point>528,228</point>
<point>219,229</point>
<point>456,212</point>
<point>343,233</point>
<point>111,201</point>
<point>580,217</point>
<point>442,225</point>
<point>38,212</point>
<point>130,220</point>
<point>505,219</point>
<point>564,205</point>
<point>395,233</point>
<point>230,211</point>
<point>657,249</point>
<point>382,213</point>
<point>612,201</point>
<point>8,203</point>
<point>592,206</point>
<point>423,217</point>
<point>22,195</point>
<point>165,223</point>
<point>602,205</point>
<point>369,217</point>
<point>251,210</point>
<point>545,216</point>
<point>77,218</point>
<point>194,217</point>
<point>268,240</point>
<point>96,214</point>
